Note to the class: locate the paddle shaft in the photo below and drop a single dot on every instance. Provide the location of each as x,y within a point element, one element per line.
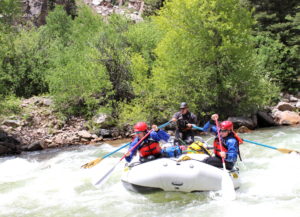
<point>123,146</point>
<point>111,153</point>
<point>112,169</point>
<point>227,184</point>
<point>198,128</point>
<point>282,150</point>
<point>220,142</point>
<point>96,161</point>
<point>256,143</point>
<point>139,142</point>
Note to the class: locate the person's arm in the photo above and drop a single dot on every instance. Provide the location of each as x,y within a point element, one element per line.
<point>210,127</point>
<point>175,117</point>
<point>159,135</point>
<point>132,153</point>
<point>194,119</point>
<point>232,146</point>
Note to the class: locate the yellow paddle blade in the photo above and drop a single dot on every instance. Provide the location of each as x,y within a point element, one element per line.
<point>287,151</point>
<point>92,163</point>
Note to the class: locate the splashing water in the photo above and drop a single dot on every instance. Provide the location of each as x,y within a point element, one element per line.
<point>51,183</point>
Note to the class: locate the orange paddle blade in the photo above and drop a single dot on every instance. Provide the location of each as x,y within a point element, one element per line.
<point>92,163</point>
<point>287,151</point>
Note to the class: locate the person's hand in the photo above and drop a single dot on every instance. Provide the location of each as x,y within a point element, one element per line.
<point>154,127</point>
<point>223,154</point>
<point>174,119</point>
<point>127,154</point>
<point>215,117</point>
<point>189,125</point>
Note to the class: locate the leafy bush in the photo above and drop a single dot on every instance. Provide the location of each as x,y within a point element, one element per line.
<point>10,105</point>
<point>77,80</point>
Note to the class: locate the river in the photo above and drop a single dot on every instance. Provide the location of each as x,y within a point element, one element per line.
<point>51,183</point>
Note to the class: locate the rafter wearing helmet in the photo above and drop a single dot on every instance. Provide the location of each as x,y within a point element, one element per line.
<point>229,147</point>
<point>149,149</point>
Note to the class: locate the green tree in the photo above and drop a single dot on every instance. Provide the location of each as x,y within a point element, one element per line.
<point>10,11</point>
<point>206,57</point>
<point>278,21</point>
<point>24,65</point>
<point>77,80</point>
<point>112,45</point>
<point>142,39</point>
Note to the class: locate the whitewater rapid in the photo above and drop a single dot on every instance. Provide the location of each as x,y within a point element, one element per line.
<point>51,183</point>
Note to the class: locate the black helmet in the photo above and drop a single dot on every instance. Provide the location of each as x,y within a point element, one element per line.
<point>183,105</point>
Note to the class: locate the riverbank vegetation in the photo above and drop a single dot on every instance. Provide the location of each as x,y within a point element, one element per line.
<point>231,57</point>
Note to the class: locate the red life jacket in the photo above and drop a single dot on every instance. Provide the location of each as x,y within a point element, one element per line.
<point>218,148</point>
<point>150,147</point>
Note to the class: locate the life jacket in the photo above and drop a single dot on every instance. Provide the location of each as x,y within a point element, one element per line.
<point>198,148</point>
<point>181,123</point>
<point>172,151</point>
<point>218,148</point>
<point>149,147</point>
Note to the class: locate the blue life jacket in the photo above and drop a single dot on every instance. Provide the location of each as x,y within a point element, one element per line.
<point>172,151</point>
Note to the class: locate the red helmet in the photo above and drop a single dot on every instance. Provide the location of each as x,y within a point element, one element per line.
<point>140,126</point>
<point>226,125</point>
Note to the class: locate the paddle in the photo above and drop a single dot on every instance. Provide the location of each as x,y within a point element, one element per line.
<point>142,139</point>
<point>98,160</point>
<point>197,128</point>
<point>282,150</point>
<point>228,191</point>
<point>106,175</point>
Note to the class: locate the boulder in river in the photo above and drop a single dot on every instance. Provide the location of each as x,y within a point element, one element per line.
<point>265,119</point>
<point>286,117</point>
<point>284,106</point>
<point>8,144</point>
<point>242,121</point>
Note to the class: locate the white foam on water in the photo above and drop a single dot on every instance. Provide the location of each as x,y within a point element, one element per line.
<point>55,185</point>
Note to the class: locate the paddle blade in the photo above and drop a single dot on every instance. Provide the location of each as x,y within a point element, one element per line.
<point>228,192</point>
<point>287,151</point>
<point>106,175</point>
<point>92,163</point>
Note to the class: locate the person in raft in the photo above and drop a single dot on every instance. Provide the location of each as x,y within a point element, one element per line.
<point>230,143</point>
<point>149,149</point>
<point>185,120</point>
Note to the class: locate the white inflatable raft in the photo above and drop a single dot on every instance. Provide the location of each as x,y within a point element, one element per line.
<point>169,174</point>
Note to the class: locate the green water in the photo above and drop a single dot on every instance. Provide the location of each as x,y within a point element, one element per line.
<point>51,183</point>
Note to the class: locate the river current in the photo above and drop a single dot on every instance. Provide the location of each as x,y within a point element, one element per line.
<point>51,183</point>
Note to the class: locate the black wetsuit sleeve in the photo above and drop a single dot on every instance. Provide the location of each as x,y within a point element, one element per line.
<point>176,115</point>
<point>193,119</point>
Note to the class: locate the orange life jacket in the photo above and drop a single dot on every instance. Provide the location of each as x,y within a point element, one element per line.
<point>150,147</point>
<point>218,148</point>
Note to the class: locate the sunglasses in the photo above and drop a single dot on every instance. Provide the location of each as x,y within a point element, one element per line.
<point>138,132</point>
<point>224,131</point>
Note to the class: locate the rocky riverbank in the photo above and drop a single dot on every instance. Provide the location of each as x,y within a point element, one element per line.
<point>286,112</point>
<point>38,127</point>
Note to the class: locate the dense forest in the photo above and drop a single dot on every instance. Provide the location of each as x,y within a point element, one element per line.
<point>227,56</point>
